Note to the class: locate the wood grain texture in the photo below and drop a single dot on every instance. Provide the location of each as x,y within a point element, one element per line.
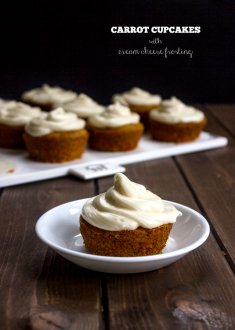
<point>40,289</point>
<point>216,126</point>
<point>196,292</point>
<point>211,177</point>
<point>225,113</point>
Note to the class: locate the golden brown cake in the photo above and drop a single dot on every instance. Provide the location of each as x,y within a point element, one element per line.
<point>57,147</point>
<point>126,221</point>
<point>11,136</point>
<point>47,97</point>
<point>182,132</point>
<point>116,129</point>
<point>139,101</point>
<point>176,122</point>
<point>115,139</point>
<point>138,242</point>
<point>143,112</point>
<point>56,137</point>
<point>13,117</point>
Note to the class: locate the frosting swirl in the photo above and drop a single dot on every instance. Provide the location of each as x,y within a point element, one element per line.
<point>172,102</point>
<point>127,206</point>
<point>47,94</point>
<point>174,111</point>
<point>115,115</point>
<point>6,103</point>
<point>137,96</point>
<point>55,121</point>
<point>83,106</point>
<point>17,114</point>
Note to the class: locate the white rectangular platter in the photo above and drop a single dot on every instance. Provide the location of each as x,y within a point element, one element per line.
<point>16,167</point>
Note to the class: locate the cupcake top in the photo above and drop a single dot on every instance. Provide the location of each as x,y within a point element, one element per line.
<point>127,206</point>
<point>174,111</point>
<point>55,121</point>
<point>83,106</point>
<point>47,94</point>
<point>173,102</point>
<point>4,103</point>
<point>115,115</point>
<point>137,96</point>
<point>17,113</point>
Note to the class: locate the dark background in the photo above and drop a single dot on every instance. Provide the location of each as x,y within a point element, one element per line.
<point>69,43</point>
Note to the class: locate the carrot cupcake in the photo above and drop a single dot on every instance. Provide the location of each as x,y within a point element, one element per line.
<point>127,220</point>
<point>56,137</point>
<point>115,129</point>
<point>83,106</point>
<point>47,97</point>
<point>176,122</point>
<point>139,101</point>
<point>13,117</point>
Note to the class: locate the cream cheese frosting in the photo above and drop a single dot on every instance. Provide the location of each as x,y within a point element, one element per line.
<point>115,115</point>
<point>174,111</point>
<point>83,106</point>
<point>172,102</point>
<point>17,113</point>
<point>137,96</point>
<point>6,103</point>
<point>55,121</point>
<point>47,94</point>
<point>127,206</point>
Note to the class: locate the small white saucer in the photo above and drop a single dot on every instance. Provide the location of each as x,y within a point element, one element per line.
<point>59,228</point>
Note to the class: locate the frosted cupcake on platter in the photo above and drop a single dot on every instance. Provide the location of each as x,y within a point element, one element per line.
<point>84,106</point>
<point>115,129</point>
<point>56,137</point>
<point>127,220</point>
<point>13,117</point>
<point>47,97</point>
<point>140,101</point>
<point>176,122</point>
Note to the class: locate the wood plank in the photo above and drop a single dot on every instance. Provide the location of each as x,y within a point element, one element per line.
<point>40,289</point>
<point>211,177</point>
<point>196,292</point>
<point>215,126</point>
<point>225,113</point>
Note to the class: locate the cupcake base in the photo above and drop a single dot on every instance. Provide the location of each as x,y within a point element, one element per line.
<point>44,106</point>
<point>115,139</point>
<point>124,243</point>
<point>182,132</point>
<point>143,112</point>
<point>57,147</point>
<point>11,136</point>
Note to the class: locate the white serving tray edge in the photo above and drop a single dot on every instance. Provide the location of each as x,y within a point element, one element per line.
<point>26,170</point>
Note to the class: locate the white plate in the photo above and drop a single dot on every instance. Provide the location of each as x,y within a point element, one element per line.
<point>59,228</point>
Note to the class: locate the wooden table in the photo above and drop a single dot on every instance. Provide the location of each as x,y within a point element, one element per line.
<point>41,290</point>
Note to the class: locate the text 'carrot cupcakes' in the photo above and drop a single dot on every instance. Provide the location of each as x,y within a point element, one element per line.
<point>13,117</point>
<point>115,129</point>
<point>127,220</point>
<point>140,101</point>
<point>56,137</point>
<point>83,106</point>
<point>176,122</point>
<point>47,97</point>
